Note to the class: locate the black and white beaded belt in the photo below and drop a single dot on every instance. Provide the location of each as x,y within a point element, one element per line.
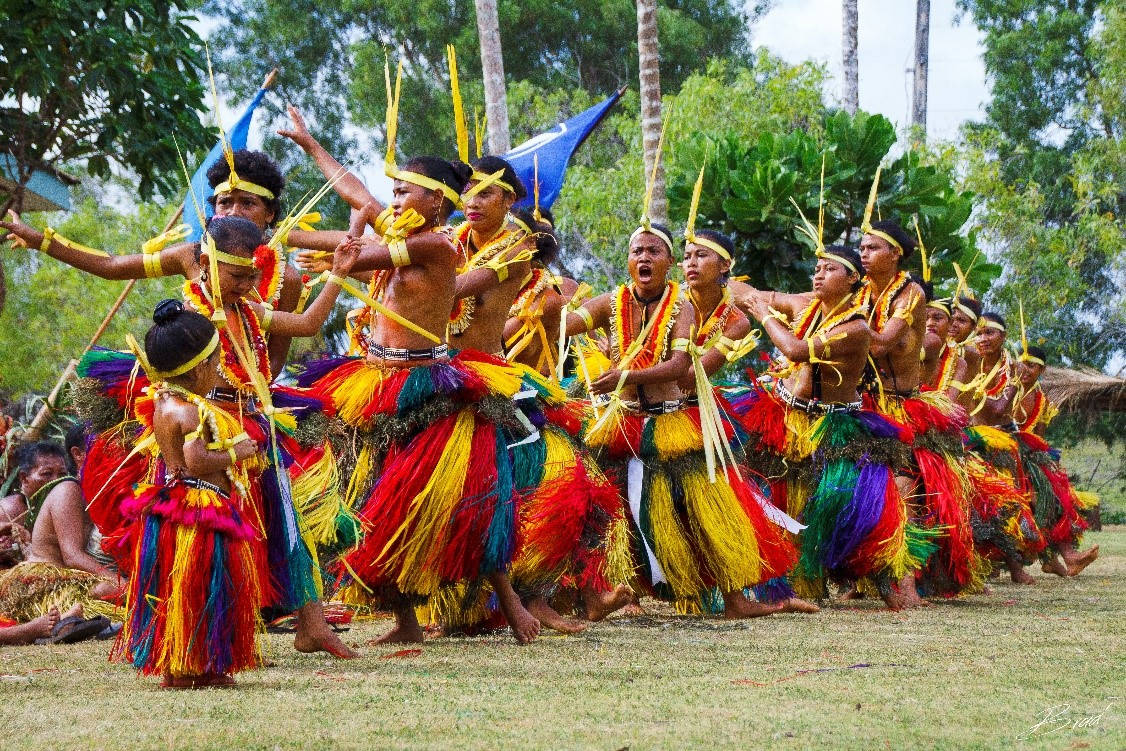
<point>399,354</point>
<point>814,406</point>
<point>249,401</point>
<point>198,484</point>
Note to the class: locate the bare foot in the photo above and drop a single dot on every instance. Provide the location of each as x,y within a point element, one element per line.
<point>525,626</point>
<point>1020,576</point>
<point>549,617</point>
<point>1081,562</point>
<point>315,635</point>
<point>601,604</point>
<point>1054,566</point>
<point>207,680</point>
<point>904,595</point>
<point>323,640</point>
<point>737,605</point>
<point>402,634</point>
<point>798,605</point>
<point>853,594</point>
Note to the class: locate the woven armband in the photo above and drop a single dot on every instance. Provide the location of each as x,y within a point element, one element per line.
<point>399,255</point>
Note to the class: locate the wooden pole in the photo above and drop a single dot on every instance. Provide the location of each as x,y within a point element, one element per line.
<point>36,428</point>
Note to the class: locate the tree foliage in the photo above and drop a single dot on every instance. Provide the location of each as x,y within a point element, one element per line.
<point>101,83</point>
<point>337,74</point>
<point>1048,164</point>
<point>53,310</point>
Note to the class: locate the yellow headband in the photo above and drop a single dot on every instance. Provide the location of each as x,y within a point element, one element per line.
<point>989,323</point>
<point>230,258</point>
<point>234,182</point>
<point>163,375</point>
<point>1025,357</point>
<point>828,255</point>
<point>690,227</point>
<point>967,310</point>
<point>866,224</point>
<point>652,231</point>
<point>484,181</point>
<point>942,304</point>
<point>389,167</point>
<point>880,233</point>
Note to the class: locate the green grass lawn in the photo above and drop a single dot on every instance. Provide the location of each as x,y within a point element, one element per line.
<point>976,673</point>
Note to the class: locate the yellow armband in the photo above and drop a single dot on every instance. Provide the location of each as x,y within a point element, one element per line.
<point>775,313</point>
<point>153,268</point>
<point>679,345</point>
<point>335,279</point>
<point>267,316</point>
<point>50,234</point>
<point>194,435</point>
<point>382,221</point>
<point>399,255</point>
<point>584,314</point>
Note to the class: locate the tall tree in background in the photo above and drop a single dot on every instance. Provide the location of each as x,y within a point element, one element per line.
<point>848,56</point>
<point>922,64</point>
<point>649,65</point>
<point>492,69</point>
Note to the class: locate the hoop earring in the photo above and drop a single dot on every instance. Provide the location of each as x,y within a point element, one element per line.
<point>203,276</point>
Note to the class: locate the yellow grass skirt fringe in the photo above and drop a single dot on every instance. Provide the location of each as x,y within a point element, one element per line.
<point>30,589</point>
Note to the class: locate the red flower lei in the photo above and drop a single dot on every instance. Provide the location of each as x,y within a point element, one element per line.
<point>229,366</point>
<point>622,326</point>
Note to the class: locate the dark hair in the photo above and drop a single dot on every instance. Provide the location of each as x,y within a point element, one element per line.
<point>547,242</point>
<point>29,454</point>
<point>75,438</point>
<point>453,174</point>
<point>254,167</point>
<point>233,234</point>
<point>177,335</point>
<point>853,257</point>
<point>996,318</point>
<point>972,304</point>
<point>892,228</point>
<point>490,164</point>
<point>1038,352</point>
<point>928,287</point>
<point>668,234</point>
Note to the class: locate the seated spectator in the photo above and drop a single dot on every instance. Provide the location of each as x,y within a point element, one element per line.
<point>37,465</point>
<point>59,570</point>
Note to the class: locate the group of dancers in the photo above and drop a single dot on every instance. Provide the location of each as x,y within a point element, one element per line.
<point>499,446</point>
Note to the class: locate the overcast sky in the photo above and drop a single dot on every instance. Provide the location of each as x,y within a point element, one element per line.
<point>811,30</point>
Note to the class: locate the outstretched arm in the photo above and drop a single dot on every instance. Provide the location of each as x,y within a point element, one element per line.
<point>348,186</point>
<point>179,259</point>
<point>744,295</point>
<point>597,316</point>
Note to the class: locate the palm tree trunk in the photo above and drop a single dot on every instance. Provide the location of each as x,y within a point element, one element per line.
<point>492,69</point>
<point>848,54</point>
<point>922,63</point>
<point>649,63</point>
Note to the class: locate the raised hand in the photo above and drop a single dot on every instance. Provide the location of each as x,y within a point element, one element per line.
<point>19,234</point>
<point>313,261</point>
<point>345,256</point>
<point>299,133</point>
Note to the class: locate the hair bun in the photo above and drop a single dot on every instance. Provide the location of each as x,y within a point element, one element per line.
<point>461,170</point>
<point>167,311</point>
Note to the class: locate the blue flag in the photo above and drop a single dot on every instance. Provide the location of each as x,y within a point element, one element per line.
<point>199,186</point>
<point>555,148</point>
